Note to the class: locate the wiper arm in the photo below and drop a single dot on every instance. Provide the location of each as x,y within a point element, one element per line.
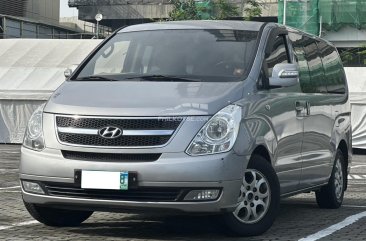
<point>159,77</point>
<point>144,77</point>
<point>94,78</point>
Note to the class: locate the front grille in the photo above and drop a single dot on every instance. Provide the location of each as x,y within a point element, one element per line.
<point>127,124</point>
<point>128,141</point>
<point>120,157</point>
<point>145,126</point>
<point>154,194</point>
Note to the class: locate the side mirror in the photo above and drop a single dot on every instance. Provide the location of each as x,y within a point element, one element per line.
<point>284,75</point>
<point>68,72</point>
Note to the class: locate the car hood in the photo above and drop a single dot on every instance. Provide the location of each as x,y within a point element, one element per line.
<point>143,98</point>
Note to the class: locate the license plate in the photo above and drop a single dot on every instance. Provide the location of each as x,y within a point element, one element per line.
<point>104,180</point>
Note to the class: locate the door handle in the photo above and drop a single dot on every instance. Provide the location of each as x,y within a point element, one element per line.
<point>302,108</point>
<point>299,105</point>
<point>299,108</point>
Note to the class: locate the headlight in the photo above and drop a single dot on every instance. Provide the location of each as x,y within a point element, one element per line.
<point>218,134</point>
<point>33,138</point>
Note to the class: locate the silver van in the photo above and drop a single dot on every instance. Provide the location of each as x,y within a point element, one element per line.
<point>204,117</point>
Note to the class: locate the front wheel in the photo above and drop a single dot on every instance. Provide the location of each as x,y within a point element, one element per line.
<point>259,200</point>
<point>57,217</point>
<point>331,195</point>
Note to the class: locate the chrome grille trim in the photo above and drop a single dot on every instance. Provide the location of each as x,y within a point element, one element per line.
<point>72,130</point>
<point>77,130</point>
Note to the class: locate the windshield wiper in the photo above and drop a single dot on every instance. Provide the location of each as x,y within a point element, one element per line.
<point>159,77</point>
<point>94,78</point>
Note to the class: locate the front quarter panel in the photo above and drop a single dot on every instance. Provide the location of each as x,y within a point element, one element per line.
<point>255,128</point>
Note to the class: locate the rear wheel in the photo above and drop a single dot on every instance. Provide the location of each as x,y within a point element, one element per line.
<point>57,217</point>
<point>331,195</point>
<point>259,200</point>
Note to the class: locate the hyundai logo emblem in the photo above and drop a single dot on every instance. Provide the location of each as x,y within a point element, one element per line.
<point>110,132</point>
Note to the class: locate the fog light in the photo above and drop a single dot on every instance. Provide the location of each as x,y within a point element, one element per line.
<point>32,187</point>
<point>202,195</point>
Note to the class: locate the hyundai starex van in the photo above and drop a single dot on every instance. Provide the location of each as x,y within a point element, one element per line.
<point>202,117</point>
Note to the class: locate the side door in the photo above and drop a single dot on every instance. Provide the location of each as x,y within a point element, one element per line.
<point>281,111</point>
<point>318,125</point>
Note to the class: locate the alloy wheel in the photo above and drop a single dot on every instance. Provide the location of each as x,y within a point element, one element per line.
<point>338,179</point>
<point>254,197</point>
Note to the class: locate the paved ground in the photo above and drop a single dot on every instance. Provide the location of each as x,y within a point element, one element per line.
<point>300,217</point>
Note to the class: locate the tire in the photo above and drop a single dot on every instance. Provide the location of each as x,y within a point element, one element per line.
<point>57,217</point>
<point>242,221</point>
<point>331,195</point>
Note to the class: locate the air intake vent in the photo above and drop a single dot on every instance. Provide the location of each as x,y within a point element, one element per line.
<point>116,157</point>
<point>151,194</point>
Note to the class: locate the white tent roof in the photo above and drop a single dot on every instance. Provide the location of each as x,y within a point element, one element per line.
<point>31,69</point>
<point>356,77</point>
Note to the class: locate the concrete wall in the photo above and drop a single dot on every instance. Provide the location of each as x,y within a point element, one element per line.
<point>346,37</point>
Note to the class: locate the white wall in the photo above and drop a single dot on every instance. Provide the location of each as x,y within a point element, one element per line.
<point>346,37</point>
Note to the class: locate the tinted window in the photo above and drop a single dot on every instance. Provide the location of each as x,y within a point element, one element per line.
<point>278,54</point>
<point>298,41</point>
<point>205,55</point>
<point>334,73</point>
<point>317,79</point>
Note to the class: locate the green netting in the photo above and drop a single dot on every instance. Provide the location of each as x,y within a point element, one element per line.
<point>302,15</point>
<point>335,14</point>
<point>205,9</point>
<point>339,13</point>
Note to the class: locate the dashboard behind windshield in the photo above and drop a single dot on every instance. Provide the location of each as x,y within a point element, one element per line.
<point>202,55</point>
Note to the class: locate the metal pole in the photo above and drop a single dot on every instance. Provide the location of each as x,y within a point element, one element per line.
<point>5,31</point>
<point>284,11</point>
<point>2,23</point>
<point>321,26</point>
<point>97,30</point>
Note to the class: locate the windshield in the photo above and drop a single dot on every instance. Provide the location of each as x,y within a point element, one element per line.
<point>174,55</point>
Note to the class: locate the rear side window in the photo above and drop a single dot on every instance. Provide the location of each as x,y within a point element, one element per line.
<point>317,82</point>
<point>334,73</point>
<point>298,41</point>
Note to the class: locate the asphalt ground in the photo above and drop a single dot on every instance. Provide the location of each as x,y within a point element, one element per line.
<point>299,218</point>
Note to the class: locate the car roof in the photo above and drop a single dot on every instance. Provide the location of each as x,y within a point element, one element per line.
<point>195,24</point>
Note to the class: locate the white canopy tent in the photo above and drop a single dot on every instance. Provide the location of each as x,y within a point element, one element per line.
<point>356,77</point>
<point>30,70</point>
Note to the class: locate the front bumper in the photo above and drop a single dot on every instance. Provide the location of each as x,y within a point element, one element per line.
<point>178,170</point>
<point>225,203</point>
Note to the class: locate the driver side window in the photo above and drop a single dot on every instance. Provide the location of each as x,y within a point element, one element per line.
<point>279,54</point>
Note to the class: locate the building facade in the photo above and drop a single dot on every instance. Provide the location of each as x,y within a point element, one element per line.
<point>43,10</point>
<point>34,19</point>
<point>118,13</point>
